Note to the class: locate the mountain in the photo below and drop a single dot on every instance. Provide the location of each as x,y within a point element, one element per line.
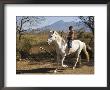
<point>63,26</point>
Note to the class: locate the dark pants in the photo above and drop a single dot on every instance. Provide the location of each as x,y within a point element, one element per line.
<point>69,43</point>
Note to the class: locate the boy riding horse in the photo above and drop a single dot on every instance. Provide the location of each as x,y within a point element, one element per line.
<point>70,38</point>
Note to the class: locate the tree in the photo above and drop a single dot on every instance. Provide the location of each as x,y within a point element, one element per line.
<point>26,21</point>
<point>89,21</point>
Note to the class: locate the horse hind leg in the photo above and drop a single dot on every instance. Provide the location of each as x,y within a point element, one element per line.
<point>85,51</point>
<point>77,60</point>
<point>63,58</point>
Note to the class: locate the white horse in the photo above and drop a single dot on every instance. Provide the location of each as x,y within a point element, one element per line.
<point>61,48</point>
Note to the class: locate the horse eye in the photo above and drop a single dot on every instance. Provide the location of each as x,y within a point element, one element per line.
<point>50,36</point>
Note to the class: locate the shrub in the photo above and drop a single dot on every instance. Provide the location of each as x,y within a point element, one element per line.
<point>23,47</point>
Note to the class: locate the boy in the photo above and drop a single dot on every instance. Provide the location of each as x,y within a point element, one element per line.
<point>70,38</point>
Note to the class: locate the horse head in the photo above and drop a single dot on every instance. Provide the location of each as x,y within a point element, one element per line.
<point>52,37</point>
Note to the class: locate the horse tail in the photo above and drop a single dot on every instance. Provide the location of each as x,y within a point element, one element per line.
<point>85,51</point>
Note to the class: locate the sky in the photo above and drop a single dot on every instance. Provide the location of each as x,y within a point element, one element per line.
<point>52,19</point>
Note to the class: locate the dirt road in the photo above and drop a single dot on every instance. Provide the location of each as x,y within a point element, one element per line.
<point>48,67</point>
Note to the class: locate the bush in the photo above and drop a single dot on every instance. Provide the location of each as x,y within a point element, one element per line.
<point>23,47</point>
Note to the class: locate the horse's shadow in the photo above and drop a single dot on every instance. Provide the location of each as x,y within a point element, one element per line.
<point>39,70</point>
<point>51,70</point>
<point>70,61</point>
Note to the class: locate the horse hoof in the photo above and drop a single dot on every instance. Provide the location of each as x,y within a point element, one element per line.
<point>64,66</point>
<point>73,68</point>
<point>55,71</point>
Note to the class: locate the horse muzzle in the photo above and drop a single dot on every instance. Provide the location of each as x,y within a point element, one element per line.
<point>48,42</point>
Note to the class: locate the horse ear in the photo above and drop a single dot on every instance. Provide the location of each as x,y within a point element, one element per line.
<point>50,31</point>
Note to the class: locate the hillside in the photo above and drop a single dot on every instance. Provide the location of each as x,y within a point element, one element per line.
<point>63,26</point>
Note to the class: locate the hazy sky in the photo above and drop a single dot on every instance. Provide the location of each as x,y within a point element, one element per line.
<point>52,19</point>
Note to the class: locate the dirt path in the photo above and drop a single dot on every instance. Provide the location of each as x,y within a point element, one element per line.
<point>47,67</point>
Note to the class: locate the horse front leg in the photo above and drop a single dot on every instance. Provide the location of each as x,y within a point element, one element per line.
<point>58,59</point>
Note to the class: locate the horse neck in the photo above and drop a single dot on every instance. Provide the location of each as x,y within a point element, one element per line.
<point>60,41</point>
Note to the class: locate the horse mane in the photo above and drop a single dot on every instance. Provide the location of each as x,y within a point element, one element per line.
<point>63,41</point>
